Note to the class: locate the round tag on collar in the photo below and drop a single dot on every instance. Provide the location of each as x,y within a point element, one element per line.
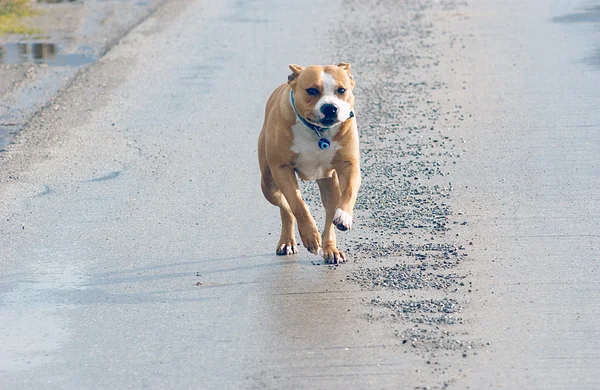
<point>324,143</point>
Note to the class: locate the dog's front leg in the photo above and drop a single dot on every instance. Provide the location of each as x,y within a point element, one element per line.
<point>349,177</point>
<point>285,178</point>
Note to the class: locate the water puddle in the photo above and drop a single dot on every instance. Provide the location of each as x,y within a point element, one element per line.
<point>586,15</point>
<point>141,3</point>
<point>35,311</point>
<point>42,53</point>
<point>58,1</point>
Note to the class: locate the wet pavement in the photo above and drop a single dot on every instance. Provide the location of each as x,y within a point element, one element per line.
<point>66,36</point>
<point>139,250</point>
<point>42,53</point>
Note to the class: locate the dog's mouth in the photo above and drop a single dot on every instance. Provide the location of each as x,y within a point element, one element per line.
<point>328,121</point>
<point>316,121</point>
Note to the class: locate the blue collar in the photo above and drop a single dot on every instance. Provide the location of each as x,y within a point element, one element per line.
<point>314,128</point>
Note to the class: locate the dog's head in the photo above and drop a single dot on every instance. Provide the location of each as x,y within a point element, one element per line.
<point>323,94</point>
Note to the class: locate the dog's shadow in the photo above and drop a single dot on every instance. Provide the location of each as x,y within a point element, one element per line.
<point>172,282</point>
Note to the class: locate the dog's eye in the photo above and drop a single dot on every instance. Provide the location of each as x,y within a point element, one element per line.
<point>341,91</point>
<point>312,91</point>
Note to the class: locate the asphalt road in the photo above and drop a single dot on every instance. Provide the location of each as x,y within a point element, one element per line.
<point>138,251</point>
<point>70,35</point>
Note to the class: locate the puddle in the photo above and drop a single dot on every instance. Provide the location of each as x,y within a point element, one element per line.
<point>586,15</point>
<point>41,53</point>
<point>34,311</point>
<point>58,1</point>
<point>140,3</point>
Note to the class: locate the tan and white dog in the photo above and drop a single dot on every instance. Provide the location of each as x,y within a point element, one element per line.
<point>310,130</point>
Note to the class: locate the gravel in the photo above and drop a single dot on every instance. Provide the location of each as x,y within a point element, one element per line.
<point>424,311</point>
<point>403,241</point>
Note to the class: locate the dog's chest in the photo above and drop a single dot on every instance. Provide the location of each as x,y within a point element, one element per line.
<point>312,163</point>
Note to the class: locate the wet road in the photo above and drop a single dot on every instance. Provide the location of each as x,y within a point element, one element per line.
<point>71,34</point>
<point>138,251</point>
<point>143,251</point>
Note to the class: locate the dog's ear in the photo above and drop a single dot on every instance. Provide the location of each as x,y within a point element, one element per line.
<point>346,66</point>
<point>296,69</point>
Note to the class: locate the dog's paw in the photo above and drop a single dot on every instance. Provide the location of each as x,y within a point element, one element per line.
<point>286,247</point>
<point>342,220</point>
<point>311,239</point>
<point>333,256</point>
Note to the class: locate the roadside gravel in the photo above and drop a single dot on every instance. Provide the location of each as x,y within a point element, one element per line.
<point>405,248</point>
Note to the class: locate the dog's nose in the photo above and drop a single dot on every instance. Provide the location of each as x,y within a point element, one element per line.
<point>329,110</point>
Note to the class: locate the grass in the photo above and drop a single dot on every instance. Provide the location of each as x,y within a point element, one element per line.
<point>11,12</point>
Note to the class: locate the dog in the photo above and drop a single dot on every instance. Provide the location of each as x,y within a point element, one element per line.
<point>310,130</point>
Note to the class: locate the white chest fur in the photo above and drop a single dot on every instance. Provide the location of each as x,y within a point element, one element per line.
<point>313,162</point>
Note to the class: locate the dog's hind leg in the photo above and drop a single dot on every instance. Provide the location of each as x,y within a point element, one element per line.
<point>330,196</point>
<point>287,242</point>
